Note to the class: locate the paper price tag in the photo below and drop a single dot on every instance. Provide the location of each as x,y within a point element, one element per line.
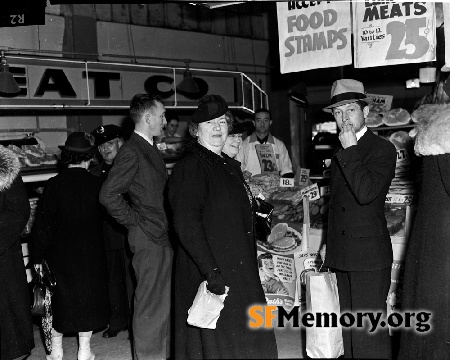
<point>324,191</point>
<point>402,155</point>
<point>304,176</point>
<point>312,192</point>
<point>399,199</point>
<point>285,182</point>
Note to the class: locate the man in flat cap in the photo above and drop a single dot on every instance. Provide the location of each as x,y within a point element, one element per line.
<point>359,247</point>
<point>140,172</point>
<point>108,139</point>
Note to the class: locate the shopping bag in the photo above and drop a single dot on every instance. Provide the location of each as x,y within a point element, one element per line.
<point>322,297</point>
<point>205,309</point>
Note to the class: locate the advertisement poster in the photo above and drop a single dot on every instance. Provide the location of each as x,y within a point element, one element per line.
<point>313,35</point>
<point>390,33</point>
<point>278,276</point>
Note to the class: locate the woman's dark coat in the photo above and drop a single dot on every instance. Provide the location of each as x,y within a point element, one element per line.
<point>426,281</point>
<point>68,234</point>
<point>16,329</point>
<point>213,221</point>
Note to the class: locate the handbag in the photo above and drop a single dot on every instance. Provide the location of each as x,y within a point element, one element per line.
<point>263,219</point>
<point>206,307</point>
<point>322,297</point>
<point>42,281</point>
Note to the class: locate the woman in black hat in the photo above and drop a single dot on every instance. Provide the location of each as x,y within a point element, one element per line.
<point>212,209</point>
<point>233,143</point>
<point>68,234</point>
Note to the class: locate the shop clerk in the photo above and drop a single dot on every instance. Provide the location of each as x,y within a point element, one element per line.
<point>248,155</point>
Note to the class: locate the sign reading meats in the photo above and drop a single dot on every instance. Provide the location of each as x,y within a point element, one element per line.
<point>54,83</point>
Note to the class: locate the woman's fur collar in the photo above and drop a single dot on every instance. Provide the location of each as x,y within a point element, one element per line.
<point>9,167</point>
<point>433,130</point>
<point>203,153</point>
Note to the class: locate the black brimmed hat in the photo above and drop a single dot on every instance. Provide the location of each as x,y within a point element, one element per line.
<point>79,142</point>
<point>106,133</point>
<point>240,127</point>
<point>210,107</point>
<point>346,91</point>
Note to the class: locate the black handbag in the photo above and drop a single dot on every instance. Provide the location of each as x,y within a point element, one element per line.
<point>42,281</point>
<point>263,219</point>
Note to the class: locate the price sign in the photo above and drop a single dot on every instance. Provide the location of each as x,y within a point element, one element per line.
<point>324,191</point>
<point>311,191</point>
<point>266,157</point>
<point>379,103</point>
<point>399,199</point>
<point>402,155</point>
<point>389,33</point>
<point>284,182</point>
<point>304,176</point>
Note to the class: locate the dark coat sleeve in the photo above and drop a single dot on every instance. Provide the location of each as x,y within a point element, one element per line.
<point>44,224</point>
<point>444,170</point>
<point>366,181</point>
<point>120,177</point>
<point>188,192</point>
<point>15,212</point>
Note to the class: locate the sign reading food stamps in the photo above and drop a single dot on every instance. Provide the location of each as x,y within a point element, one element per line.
<point>390,32</point>
<point>266,157</point>
<point>313,34</point>
<point>379,103</point>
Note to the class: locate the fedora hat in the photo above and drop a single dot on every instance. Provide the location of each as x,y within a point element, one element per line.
<point>240,127</point>
<point>106,133</point>
<point>345,91</point>
<point>79,142</point>
<point>210,107</point>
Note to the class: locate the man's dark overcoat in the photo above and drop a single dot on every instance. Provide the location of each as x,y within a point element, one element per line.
<point>213,221</point>
<point>357,237</point>
<point>16,329</point>
<point>68,234</point>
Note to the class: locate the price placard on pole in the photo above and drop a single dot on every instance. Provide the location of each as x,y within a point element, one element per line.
<point>390,32</point>
<point>304,176</point>
<point>312,192</point>
<point>266,157</point>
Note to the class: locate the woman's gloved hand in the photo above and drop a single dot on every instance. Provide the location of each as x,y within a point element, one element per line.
<point>215,283</point>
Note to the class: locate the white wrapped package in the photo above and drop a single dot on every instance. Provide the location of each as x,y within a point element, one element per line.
<point>205,309</point>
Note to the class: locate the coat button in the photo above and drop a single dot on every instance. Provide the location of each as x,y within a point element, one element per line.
<point>343,208</point>
<point>343,232</point>
<point>331,207</point>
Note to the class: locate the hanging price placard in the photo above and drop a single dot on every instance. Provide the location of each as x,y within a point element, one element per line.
<point>389,33</point>
<point>266,157</point>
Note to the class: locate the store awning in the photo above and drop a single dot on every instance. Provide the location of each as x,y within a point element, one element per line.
<point>50,83</point>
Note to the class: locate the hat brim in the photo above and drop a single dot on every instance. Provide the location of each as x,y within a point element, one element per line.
<point>91,150</point>
<point>99,142</point>
<point>329,108</point>
<point>242,127</point>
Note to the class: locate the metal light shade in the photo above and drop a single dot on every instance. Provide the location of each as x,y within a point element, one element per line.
<point>7,83</point>
<point>188,84</point>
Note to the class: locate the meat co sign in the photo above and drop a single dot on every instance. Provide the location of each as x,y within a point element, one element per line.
<point>57,83</point>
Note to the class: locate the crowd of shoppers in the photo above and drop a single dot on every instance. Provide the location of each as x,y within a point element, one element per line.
<point>212,211</point>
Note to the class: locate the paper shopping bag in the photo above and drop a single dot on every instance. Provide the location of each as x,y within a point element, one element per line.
<point>322,297</point>
<point>205,309</point>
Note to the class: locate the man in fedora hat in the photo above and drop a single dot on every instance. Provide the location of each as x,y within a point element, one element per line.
<point>108,139</point>
<point>140,172</point>
<point>359,248</point>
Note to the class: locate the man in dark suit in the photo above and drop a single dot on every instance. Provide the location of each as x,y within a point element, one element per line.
<point>359,248</point>
<point>140,171</point>
<point>108,139</point>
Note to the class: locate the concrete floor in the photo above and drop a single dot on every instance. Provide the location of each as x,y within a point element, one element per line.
<point>290,345</point>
